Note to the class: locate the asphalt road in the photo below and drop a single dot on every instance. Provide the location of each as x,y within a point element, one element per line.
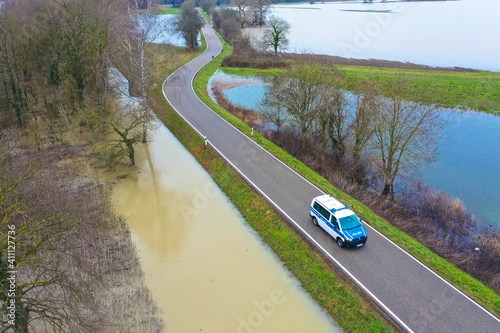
<point>415,297</point>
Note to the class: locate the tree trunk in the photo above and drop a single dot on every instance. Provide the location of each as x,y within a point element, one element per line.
<point>388,190</point>
<point>131,151</point>
<point>144,94</point>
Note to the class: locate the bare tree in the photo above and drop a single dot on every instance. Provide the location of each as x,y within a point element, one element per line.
<point>260,8</point>
<point>229,26</point>
<point>41,285</point>
<point>56,66</point>
<point>275,34</point>
<point>76,267</point>
<point>272,109</point>
<point>405,136</point>
<point>125,126</point>
<point>302,94</point>
<point>12,58</point>
<point>145,29</point>
<point>226,21</point>
<point>333,116</point>
<point>366,107</point>
<point>189,23</point>
<point>141,4</point>
<point>207,5</point>
<point>242,8</point>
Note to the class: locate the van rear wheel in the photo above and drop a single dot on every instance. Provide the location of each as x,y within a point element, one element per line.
<point>315,221</point>
<point>340,242</point>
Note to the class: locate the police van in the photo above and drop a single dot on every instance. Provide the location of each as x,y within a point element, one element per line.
<point>338,220</point>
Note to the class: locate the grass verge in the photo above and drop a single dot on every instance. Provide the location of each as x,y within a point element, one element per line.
<point>470,286</point>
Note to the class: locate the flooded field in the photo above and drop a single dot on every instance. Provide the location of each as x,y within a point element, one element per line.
<point>207,269</point>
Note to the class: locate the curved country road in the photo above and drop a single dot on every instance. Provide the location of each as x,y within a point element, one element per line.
<point>415,297</point>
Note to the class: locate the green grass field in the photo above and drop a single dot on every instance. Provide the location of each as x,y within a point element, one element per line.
<point>168,10</point>
<point>478,91</point>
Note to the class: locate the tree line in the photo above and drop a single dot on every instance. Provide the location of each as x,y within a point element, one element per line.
<point>55,61</point>
<point>394,135</point>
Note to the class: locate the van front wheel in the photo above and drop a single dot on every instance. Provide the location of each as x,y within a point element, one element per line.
<point>340,242</point>
<point>315,221</point>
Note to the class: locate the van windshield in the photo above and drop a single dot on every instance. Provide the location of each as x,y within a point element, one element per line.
<point>349,222</point>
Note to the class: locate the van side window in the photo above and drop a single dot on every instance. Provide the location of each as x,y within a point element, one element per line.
<point>317,206</point>
<point>335,222</point>
<point>325,213</point>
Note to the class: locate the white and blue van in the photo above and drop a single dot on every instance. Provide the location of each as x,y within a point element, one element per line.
<point>338,220</point>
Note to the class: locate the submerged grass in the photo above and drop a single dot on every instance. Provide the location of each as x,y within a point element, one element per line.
<point>469,285</point>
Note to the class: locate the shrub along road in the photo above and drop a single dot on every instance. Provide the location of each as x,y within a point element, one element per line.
<point>416,298</point>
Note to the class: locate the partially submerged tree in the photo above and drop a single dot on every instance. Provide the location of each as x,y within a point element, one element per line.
<point>76,268</point>
<point>405,136</point>
<point>127,139</point>
<point>48,281</point>
<point>188,23</point>
<point>367,107</point>
<point>260,8</point>
<point>272,109</point>
<point>302,93</point>
<point>242,8</point>
<point>334,119</point>
<point>120,132</point>
<point>275,34</point>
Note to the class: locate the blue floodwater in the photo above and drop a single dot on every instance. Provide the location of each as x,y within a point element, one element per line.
<point>468,165</point>
<point>250,95</point>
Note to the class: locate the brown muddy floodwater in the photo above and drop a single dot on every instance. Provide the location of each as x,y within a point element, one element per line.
<point>207,269</point>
